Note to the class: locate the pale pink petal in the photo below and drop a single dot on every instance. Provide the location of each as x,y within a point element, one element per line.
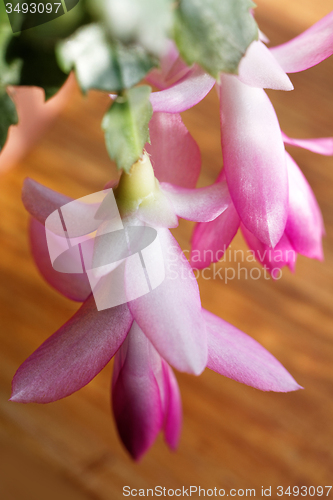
<point>173,414</point>
<point>41,201</point>
<point>73,286</point>
<point>320,145</point>
<point>305,226</point>
<point>80,217</point>
<point>211,239</point>
<point>260,69</point>
<point>272,259</point>
<point>263,37</point>
<point>136,398</point>
<point>308,49</point>
<point>72,356</point>
<point>159,212</point>
<point>173,152</point>
<point>170,315</point>
<point>234,354</point>
<point>254,159</point>
<point>187,92</point>
<point>199,205</point>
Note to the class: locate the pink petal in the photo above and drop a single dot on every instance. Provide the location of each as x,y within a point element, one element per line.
<point>170,315</point>
<point>304,226</point>
<point>172,69</point>
<point>73,286</point>
<point>211,239</point>
<point>199,205</point>
<point>173,415</point>
<point>187,92</point>
<point>73,356</point>
<point>272,259</point>
<point>234,354</point>
<point>254,159</point>
<point>322,145</point>
<point>174,153</point>
<point>41,201</point>
<point>136,397</point>
<point>308,49</point>
<point>260,69</point>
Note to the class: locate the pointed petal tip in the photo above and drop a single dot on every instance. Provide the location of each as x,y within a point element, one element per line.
<point>20,397</point>
<point>173,446</point>
<point>136,455</point>
<point>198,370</point>
<point>294,386</point>
<point>291,386</point>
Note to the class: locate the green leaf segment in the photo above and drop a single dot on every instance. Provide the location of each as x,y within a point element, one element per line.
<point>126,126</point>
<point>214,33</point>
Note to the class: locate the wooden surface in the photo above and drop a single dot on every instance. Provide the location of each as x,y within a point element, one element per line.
<point>233,436</point>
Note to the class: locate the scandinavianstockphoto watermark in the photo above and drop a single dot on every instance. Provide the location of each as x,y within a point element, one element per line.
<point>240,262</point>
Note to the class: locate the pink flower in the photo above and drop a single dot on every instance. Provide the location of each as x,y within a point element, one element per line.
<point>165,327</point>
<point>303,231</point>
<point>167,324</point>
<point>252,145</point>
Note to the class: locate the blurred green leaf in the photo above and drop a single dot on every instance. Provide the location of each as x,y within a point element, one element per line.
<point>125,126</point>
<point>214,33</point>
<point>36,49</point>
<point>147,23</point>
<point>39,65</point>
<point>8,116</point>
<point>100,64</point>
<point>9,75</point>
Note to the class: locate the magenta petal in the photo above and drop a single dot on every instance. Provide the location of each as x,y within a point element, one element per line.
<point>272,259</point>
<point>260,69</point>
<point>211,239</point>
<point>170,315</point>
<point>174,153</point>
<point>199,205</point>
<point>72,356</point>
<point>321,145</point>
<point>254,159</point>
<point>304,226</point>
<point>136,397</point>
<point>41,201</point>
<point>187,92</point>
<point>73,286</point>
<point>235,355</point>
<point>308,49</point>
<point>173,413</point>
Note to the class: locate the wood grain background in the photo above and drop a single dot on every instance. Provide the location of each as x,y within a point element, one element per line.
<point>233,436</point>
